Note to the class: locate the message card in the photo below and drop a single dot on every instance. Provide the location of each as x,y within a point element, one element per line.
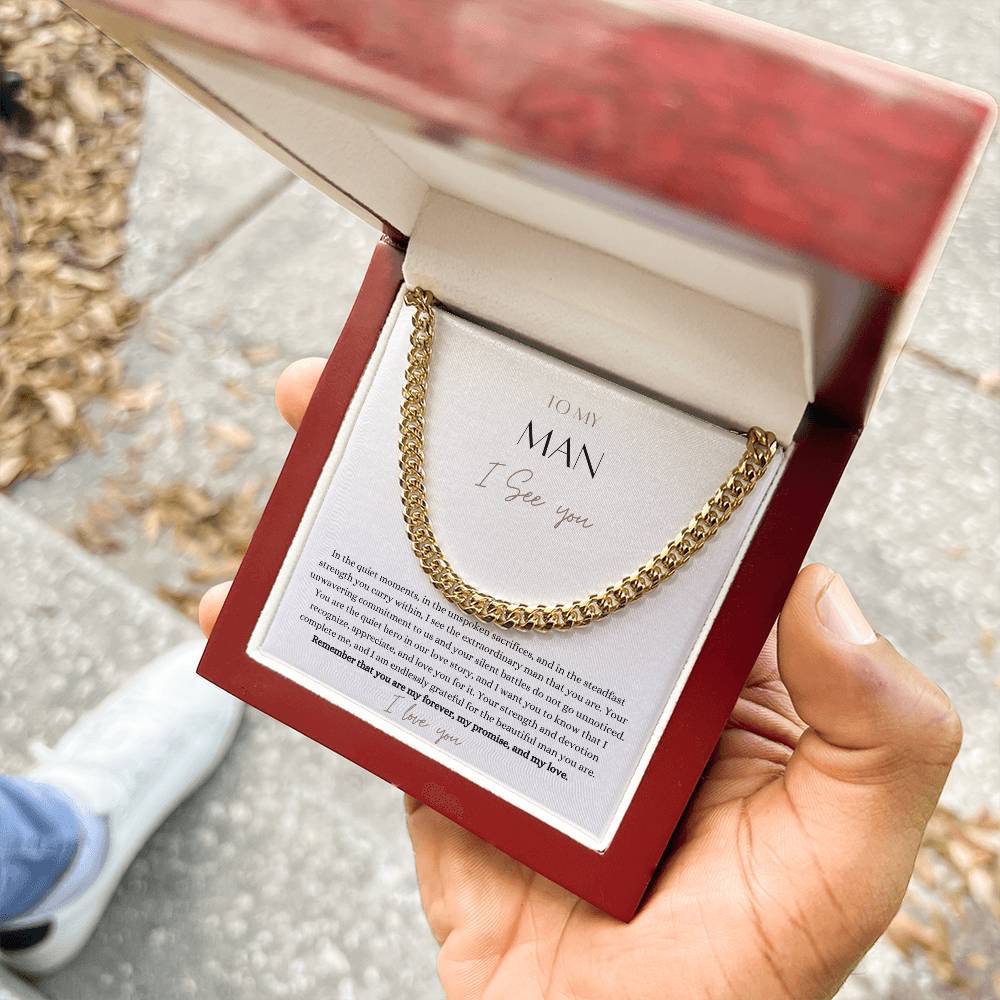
<point>545,484</point>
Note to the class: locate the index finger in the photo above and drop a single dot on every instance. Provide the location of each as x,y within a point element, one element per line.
<point>295,387</point>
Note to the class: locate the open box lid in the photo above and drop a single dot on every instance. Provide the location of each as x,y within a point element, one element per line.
<point>803,185</point>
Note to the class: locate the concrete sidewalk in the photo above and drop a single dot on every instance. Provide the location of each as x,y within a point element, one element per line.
<point>289,874</point>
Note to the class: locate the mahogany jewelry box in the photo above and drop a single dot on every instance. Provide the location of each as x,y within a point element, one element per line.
<point>645,229</point>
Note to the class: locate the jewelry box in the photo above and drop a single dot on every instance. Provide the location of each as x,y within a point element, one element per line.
<point>643,271</point>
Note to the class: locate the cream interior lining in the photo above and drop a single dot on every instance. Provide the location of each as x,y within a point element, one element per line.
<point>668,340</point>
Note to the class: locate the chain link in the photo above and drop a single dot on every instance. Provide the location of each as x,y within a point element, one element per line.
<point>760,449</point>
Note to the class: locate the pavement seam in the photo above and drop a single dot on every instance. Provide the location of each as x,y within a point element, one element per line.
<point>932,360</point>
<point>28,523</point>
<point>245,214</point>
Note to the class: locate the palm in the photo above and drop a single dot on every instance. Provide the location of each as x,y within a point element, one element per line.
<point>725,917</point>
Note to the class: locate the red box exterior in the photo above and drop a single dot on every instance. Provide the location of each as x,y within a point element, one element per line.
<point>802,144</point>
<point>616,879</point>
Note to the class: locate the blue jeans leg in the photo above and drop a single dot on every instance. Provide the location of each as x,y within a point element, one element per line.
<point>39,835</point>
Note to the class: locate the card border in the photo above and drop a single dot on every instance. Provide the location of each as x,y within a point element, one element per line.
<point>255,647</point>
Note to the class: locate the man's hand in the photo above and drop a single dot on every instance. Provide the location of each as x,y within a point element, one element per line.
<point>792,860</point>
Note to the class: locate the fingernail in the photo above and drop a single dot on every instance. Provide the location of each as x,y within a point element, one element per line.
<point>839,612</point>
<point>217,592</point>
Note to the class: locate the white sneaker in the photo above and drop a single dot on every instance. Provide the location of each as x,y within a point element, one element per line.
<point>131,761</point>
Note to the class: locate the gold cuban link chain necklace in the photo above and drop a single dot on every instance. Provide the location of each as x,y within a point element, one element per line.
<point>760,449</point>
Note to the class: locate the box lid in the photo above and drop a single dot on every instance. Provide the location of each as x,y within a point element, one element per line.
<point>807,146</point>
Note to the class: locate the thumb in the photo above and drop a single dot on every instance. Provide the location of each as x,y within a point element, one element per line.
<point>882,737</point>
